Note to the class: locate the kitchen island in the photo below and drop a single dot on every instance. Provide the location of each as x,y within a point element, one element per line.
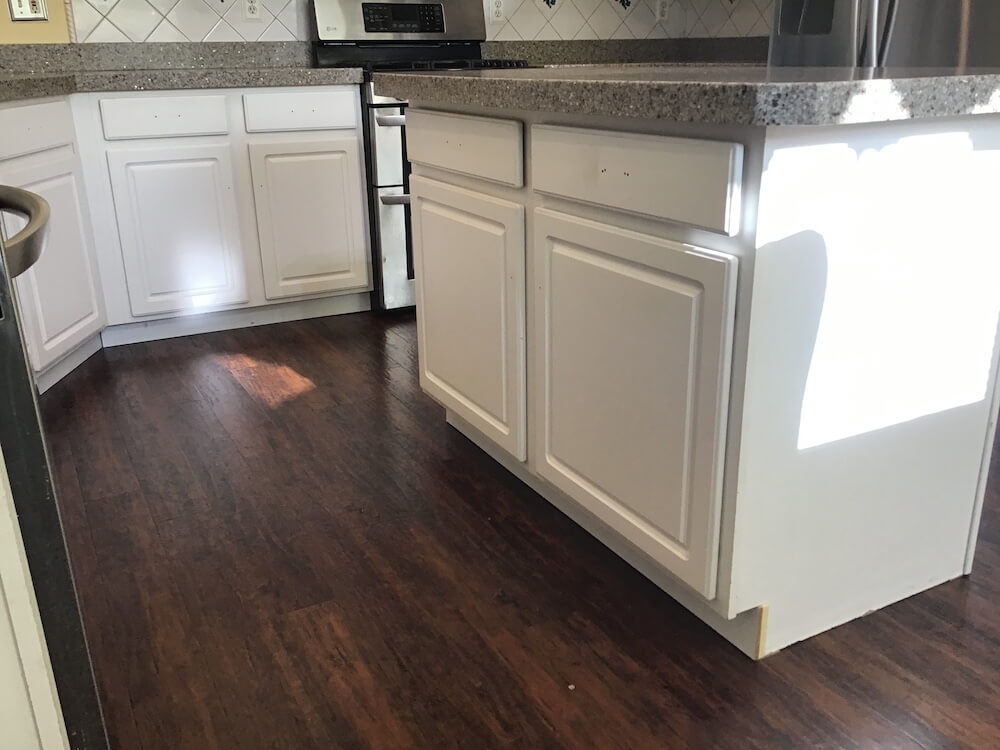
<point>739,324</point>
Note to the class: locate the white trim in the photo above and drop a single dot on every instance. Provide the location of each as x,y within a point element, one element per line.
<point>63,367</point>
<point>224,320</point>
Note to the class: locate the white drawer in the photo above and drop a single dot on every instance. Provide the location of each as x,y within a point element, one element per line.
<point>300,110</point>
<point>687,180</point>
<point>477,146</point>
<point>163,116</point>
<point>35,127</point>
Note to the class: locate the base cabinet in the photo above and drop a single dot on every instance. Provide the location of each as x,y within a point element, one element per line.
<point>469,255</point>
<point>632,375</point>
<point>60,296</point>
<point>310,216</point>
<point>179,227</point>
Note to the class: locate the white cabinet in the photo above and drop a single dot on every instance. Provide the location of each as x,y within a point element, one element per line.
<point>469,253</point>
<point>179,226</point>
<point>631,384</point>
<point>59,296</point>
<point>310,216</point>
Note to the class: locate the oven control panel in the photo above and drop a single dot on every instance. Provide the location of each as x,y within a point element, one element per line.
<point>403,18</point>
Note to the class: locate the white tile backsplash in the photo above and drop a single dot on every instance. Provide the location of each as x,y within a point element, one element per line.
<point>286,20</point>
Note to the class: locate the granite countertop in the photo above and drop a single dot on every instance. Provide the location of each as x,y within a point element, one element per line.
<point>717,94</point>
<point>17,86</point>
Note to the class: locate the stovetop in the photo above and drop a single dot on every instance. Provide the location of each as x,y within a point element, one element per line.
<point>373,57</point>
<point>459,64</point>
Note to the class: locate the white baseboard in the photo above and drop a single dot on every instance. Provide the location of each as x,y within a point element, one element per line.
<point>58,370</point>
<point>187,325</point>
<point>745,631</point>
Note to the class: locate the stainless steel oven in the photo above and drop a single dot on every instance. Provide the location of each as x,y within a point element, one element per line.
<point>389,196</point>
<point>396,35</point>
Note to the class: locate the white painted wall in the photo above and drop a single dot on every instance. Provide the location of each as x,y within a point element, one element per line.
<point>30,717</point>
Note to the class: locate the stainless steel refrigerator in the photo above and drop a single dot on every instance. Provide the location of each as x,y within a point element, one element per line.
<point>22,442</point>
<point>957,34</point>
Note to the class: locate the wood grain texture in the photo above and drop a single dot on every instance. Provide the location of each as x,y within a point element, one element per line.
<point>279,543</point>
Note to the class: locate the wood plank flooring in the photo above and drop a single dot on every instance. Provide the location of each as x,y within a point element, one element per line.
<point>279,543</point>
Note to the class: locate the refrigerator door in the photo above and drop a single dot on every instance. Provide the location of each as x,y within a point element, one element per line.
<point>25,455</point>
<point>939,34</point>
<point>809,33</point>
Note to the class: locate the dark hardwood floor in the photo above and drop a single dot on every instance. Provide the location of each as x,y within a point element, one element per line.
<point>279,543</point>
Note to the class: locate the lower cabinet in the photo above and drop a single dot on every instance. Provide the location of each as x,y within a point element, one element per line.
<point>310,216</point>
<point>59,296</point>
<point>179,225</point>
<point>633,339</point>
<point>469,255</point>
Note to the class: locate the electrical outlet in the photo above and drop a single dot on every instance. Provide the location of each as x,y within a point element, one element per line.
<point>496,10</point>
<point>28,10</point>
<point>251,10</point>
<point>662,9</point>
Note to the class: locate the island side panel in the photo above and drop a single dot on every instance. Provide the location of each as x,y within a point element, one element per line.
<point>871,368</point>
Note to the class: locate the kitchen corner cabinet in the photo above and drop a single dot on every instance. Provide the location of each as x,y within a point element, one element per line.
<point>310,215</point>
<point>469,254</point>
<point>60,296</point>
<point>179,226</point>
<point>631,388</point>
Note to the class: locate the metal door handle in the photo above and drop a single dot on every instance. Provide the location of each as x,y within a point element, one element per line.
<point>391,121</point>
<point>25,247</point>
<point>395,200</point>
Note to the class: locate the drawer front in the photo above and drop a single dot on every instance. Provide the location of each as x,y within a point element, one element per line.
<point>163,116</point>
<point>477,146</point>
<point>300,110</point>
<point>35,127</point>
<point>686,180</point>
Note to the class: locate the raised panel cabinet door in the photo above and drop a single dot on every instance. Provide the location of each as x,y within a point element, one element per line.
<point>179,226</point>
<point>632,384</point>
<point>469,253</point>
<point>60,295</point>
<point>310,216</point>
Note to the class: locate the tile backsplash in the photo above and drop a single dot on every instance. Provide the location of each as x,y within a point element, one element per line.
<point>287,20</point>
<point>607,19</point>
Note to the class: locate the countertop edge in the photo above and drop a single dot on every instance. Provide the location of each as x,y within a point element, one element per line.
<point>761,104</point>
<point>28,86</point>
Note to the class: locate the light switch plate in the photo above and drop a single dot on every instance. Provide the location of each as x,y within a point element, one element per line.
<point>28,10</point>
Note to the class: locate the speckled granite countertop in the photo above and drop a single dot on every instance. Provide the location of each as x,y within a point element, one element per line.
<point>725,95</point>
<point>18,86</point>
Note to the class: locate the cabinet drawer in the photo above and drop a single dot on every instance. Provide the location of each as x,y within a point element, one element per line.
<point>35,128</point>
<point>300,110</point>
<point>686,180</point>
<point>163,116</point>
<point>476,146</point>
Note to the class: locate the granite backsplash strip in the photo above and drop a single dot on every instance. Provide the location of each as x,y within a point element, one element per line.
<point>42,58</point>
<point>600,52</point>
<point>52,58</point>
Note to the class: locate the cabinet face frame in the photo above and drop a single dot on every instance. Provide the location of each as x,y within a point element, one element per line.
<point>46,346</point>
<point>275,243</point>
<point>506,221</point>
<point>655,263</point>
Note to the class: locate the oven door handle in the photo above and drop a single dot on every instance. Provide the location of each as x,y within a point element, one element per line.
<point>395,200</point>
<point>390,121</point>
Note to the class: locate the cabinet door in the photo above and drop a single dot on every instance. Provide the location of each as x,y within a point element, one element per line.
<point>59,297</point>
<point>632,384</point>
<point>310,216</point>
<point>469,259</point>
<point>179,227</point>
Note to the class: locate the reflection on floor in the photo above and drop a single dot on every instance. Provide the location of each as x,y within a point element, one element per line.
<point>279,543</point>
